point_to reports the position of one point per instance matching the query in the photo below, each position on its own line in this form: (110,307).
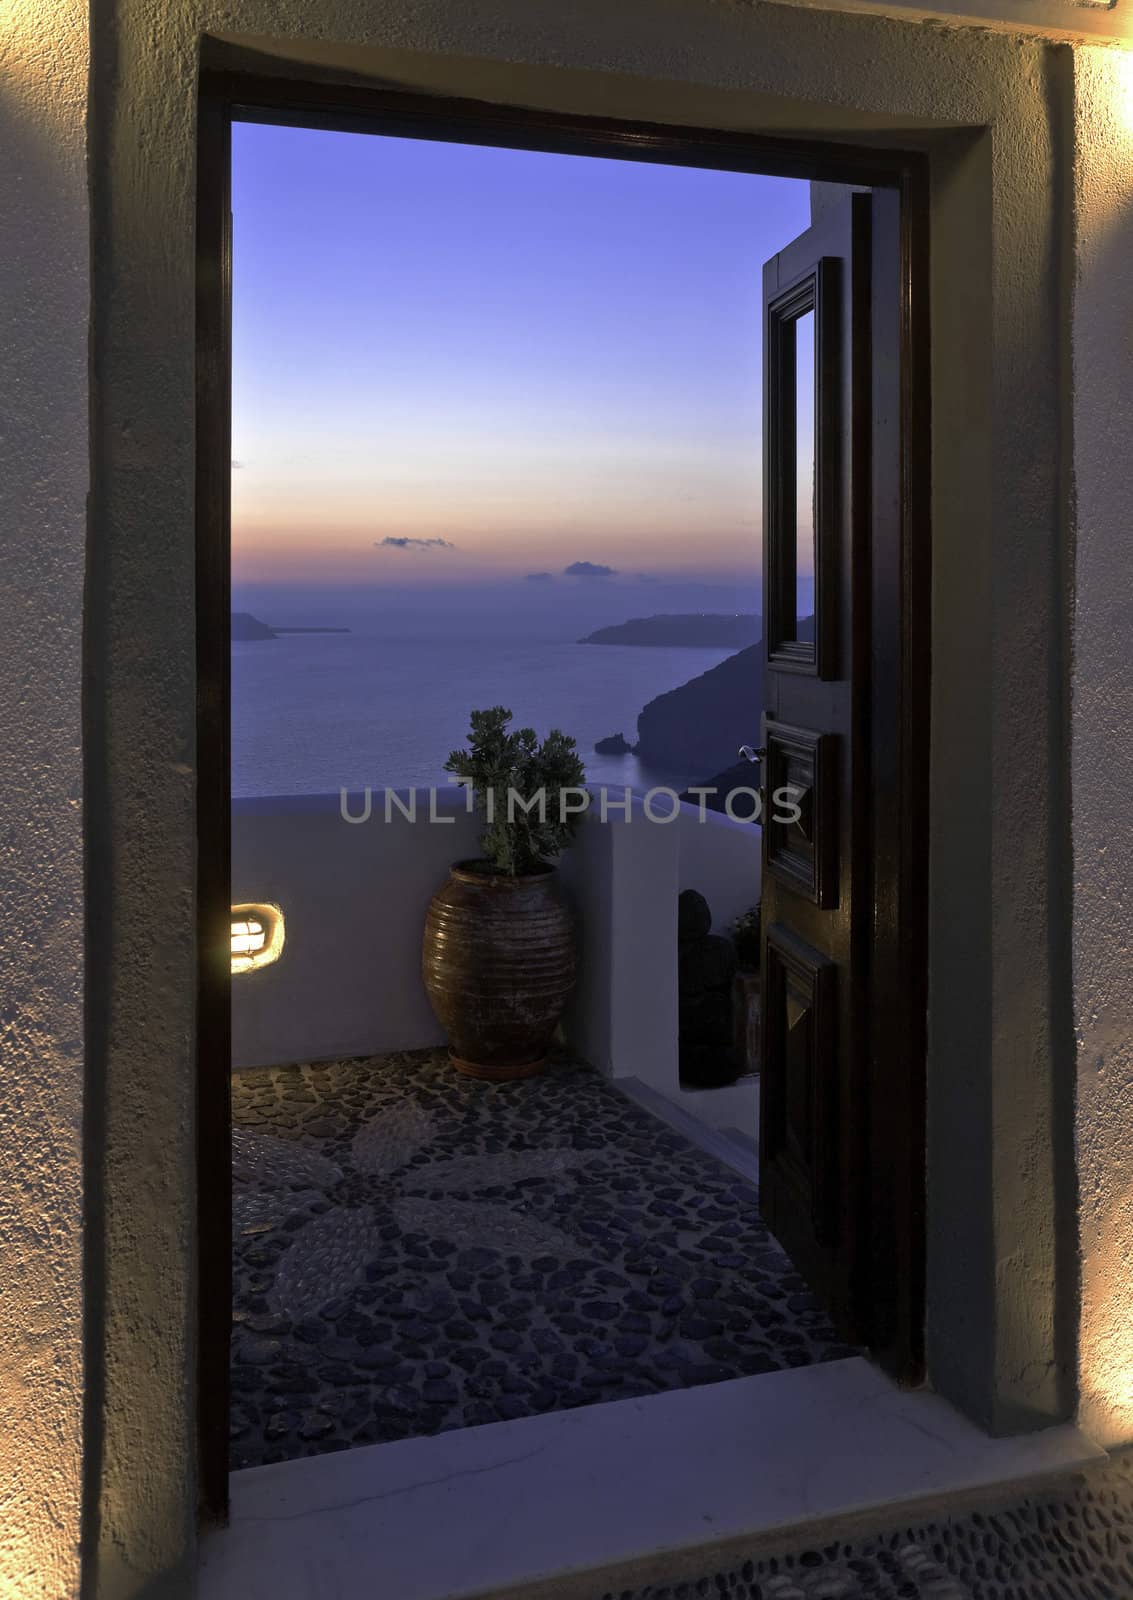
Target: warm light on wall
(257,936)
(36,38)
(1123,90)
(1105,1337)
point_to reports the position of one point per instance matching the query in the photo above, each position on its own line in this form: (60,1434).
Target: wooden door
(815,755)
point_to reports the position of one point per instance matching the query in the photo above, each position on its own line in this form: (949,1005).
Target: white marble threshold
(539,1504)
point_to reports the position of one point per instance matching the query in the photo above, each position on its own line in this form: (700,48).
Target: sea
(313,713)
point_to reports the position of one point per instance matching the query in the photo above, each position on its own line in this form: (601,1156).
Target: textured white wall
(44,302)
(733,66)
(1102,749)
(354,897)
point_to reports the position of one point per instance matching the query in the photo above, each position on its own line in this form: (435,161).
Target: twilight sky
(520,361)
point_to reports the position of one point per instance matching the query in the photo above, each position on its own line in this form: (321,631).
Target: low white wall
(622,877)
(354,897)
(721,859)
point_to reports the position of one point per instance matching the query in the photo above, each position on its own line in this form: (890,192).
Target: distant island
(705,630)
(246,626)
(616,745)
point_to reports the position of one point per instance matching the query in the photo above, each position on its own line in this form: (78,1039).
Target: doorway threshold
(572,1502)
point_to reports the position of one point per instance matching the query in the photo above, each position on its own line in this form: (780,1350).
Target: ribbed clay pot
(498,961)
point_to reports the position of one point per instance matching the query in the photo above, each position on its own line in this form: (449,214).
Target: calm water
(318,712)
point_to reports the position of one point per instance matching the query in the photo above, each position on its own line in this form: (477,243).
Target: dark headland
(699,726)
(246,626)
(705,630)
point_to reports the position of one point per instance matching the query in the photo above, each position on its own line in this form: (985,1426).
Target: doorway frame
(894,988)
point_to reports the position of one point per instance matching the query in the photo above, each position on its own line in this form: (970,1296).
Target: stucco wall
(44,299)
(1102,737)
(999,957)
(1077,19)
(354,897)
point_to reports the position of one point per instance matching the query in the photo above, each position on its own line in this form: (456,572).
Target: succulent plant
(521,788)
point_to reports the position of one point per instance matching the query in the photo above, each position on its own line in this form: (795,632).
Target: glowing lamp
(257,936)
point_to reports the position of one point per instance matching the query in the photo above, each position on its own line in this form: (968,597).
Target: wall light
(257,936)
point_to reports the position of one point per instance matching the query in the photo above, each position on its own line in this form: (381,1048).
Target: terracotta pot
(498,961)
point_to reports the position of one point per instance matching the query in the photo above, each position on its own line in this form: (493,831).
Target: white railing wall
(354,897)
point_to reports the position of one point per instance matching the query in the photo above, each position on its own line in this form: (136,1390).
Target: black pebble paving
(1065,1539)
(416,1251)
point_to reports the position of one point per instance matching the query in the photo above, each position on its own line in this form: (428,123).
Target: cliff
(700,726)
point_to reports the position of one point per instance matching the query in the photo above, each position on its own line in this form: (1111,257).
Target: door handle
(746,753)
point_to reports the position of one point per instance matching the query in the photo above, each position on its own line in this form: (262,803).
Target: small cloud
(588,569)
(236,463)
(404,543)
(539,577)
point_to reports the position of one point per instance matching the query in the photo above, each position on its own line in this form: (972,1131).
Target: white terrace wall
(354,897)
(44,312)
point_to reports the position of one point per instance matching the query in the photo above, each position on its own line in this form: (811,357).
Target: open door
(817,1148)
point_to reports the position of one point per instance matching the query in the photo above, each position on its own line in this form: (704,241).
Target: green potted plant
(498,957)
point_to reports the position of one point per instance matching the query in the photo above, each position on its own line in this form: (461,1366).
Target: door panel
(801,824)
(799,1102)
(815,859)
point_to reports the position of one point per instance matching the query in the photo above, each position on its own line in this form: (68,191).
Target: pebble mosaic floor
(1063,1539)
(415,1251)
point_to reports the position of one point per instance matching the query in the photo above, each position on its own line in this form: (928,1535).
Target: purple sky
(539,360)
